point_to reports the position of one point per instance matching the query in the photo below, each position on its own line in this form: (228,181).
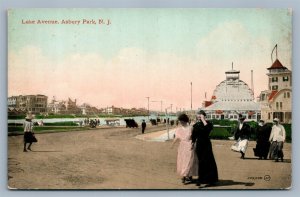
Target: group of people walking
(269,140)
(195,155)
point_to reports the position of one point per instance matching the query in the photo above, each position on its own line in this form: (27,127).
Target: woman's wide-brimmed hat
(201,112)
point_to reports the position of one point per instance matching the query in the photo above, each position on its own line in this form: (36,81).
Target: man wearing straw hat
(28,134)
(277,139)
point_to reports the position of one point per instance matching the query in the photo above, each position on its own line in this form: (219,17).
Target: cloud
(233,42)
(125,80)
(134,73)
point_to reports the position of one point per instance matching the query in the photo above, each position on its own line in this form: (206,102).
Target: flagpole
(272,53)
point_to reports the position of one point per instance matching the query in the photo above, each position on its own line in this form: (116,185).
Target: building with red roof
(276,102)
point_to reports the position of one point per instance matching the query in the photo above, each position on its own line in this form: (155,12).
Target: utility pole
(148,106)
(191,97)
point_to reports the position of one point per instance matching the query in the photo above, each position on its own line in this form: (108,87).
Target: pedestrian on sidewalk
(143,126)
(242,136)
(28,132)
(207,167)
(262,140)
(277,139)
(187,162)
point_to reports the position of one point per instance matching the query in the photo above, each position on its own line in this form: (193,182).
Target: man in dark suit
(143,126)
(242,135)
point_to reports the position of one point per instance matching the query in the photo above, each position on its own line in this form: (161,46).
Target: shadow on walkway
(255,158)
(231,182)
(45,151)
(222,183)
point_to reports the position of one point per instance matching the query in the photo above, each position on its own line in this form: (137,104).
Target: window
(277,105)
(274,79)
(280,105)
(288,95)
(285,78)
(274,87)
(284,95)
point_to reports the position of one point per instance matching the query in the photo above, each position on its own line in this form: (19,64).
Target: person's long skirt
(187,162)
(29,137)
(240,145)
(207,170)
(262,149)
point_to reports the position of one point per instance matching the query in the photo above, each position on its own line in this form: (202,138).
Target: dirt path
(114,158)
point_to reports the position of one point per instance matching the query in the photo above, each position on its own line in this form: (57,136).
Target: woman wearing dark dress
(262,141)
(207,170)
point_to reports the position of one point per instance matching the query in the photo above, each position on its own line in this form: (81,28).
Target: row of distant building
(230,98)
(38,104)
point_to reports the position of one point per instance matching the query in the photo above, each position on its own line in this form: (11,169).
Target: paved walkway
(115,158)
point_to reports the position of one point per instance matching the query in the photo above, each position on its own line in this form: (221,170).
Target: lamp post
(167,116)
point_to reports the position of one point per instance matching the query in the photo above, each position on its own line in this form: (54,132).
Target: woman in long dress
(187,162)
(207,167)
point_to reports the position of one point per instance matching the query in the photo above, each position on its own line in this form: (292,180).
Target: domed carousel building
(231,98)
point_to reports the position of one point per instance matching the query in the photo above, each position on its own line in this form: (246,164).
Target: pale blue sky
(167,30)
(147,51)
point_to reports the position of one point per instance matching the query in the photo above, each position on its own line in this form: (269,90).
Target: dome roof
(233,91)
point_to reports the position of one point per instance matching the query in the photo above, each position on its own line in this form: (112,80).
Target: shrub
(220,133)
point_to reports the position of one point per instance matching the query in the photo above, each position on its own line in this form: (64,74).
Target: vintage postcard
(195,99)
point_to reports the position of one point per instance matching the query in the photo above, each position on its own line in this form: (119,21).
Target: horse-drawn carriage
(131,123)
(112,122)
